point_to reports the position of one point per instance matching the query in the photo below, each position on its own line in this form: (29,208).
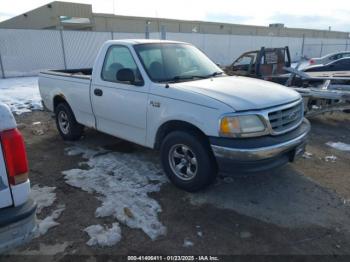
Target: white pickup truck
(170,96)
(17,209)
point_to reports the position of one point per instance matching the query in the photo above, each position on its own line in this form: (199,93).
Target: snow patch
(228,180)
(330,158)
(188,243)
(45,224)
(307,155)
(7,121)
(20,94)
(199,232)
(123,182)
(103,236)
(339,145)
(346,201)
(43,196)
(245,234)
(84,151)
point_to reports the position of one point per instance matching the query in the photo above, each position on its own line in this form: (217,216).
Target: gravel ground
(302,208)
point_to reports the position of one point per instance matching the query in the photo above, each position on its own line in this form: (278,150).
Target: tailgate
(5,193)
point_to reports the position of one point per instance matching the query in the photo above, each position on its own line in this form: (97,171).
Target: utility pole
(302,46)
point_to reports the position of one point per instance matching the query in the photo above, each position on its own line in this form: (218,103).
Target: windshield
(166,62)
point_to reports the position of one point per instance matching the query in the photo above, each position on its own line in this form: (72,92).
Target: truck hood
(242,93)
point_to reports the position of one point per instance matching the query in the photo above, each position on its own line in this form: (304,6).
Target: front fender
(203,118)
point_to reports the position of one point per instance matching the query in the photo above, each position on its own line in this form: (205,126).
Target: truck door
(120,103)
(245,64)
(5,193)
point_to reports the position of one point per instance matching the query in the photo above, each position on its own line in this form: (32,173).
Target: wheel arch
(58,99)
(177,125)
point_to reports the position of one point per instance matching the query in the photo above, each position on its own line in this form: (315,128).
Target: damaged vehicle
(342,64)
(171,97)
(266,63)
(328,58)
(324,88)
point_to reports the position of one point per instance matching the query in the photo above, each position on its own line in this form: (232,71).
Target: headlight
(239,125)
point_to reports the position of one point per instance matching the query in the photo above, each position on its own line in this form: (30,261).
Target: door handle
(98,92)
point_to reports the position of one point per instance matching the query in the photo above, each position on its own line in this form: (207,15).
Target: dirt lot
(303,208)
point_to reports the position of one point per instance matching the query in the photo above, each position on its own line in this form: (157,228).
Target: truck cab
(264,63)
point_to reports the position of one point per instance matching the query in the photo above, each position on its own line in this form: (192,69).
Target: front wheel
(188,161)
(66,123)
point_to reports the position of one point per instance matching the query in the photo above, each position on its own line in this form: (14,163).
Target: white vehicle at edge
(327,58)
(169,96)
(17,210)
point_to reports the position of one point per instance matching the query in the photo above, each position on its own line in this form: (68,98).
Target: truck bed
(74,86)
(84,73)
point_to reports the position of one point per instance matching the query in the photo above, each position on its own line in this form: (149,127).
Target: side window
(118,58)
(244,60)
(334,57)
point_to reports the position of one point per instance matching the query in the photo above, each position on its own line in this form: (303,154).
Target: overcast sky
(316,14)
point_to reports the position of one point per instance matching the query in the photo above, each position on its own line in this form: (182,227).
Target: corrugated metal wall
(224,49)
(81,47)
(27,52)
(316,47)
(117,35)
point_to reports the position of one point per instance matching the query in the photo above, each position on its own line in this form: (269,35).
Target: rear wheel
(187,160)
(66,123)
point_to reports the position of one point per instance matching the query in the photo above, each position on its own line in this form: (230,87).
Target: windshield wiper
(179,78)
(217,73)
(190,77)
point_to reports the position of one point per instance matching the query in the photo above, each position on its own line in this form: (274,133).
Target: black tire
(74,130)
(206,169)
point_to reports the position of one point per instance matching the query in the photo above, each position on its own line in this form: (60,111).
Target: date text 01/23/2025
(173,258)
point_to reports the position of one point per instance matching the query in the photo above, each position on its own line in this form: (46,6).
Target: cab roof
(142,41)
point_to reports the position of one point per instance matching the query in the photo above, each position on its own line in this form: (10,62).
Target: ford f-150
(171,97)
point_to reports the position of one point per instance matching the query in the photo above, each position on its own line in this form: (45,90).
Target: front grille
(286,118)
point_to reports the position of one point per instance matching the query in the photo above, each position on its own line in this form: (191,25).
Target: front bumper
(260,153)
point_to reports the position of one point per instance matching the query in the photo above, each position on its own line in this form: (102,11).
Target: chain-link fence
(27,52)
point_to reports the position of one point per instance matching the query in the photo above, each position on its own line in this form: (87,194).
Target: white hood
(242,93)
